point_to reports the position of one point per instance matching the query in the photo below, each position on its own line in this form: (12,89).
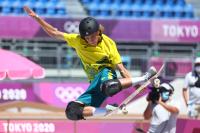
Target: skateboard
(122,106)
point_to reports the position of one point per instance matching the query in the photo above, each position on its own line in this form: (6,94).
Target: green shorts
(93,96)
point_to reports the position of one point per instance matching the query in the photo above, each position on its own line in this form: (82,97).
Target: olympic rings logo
(71,26)
(67,94)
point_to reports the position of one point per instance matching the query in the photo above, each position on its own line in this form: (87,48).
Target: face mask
(165,96)
(197,69)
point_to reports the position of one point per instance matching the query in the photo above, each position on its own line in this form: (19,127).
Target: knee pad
(111,87)
(74,111)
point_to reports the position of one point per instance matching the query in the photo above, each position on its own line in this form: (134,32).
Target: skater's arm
(49,29)
(123,71)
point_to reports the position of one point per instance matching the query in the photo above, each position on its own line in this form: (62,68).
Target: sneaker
(111,107)
(150,73)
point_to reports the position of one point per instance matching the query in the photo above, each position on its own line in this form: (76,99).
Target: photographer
(191,90)
(161,109)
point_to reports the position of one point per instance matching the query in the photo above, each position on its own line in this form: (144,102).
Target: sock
(99,111)
(138,80)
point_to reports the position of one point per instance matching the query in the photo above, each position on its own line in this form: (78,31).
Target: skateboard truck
(123,109)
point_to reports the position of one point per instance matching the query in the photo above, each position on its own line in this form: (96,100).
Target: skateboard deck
(122,106)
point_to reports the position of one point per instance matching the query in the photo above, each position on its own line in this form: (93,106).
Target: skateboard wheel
(124,111)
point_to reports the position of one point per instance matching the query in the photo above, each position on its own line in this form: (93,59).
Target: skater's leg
(113,86)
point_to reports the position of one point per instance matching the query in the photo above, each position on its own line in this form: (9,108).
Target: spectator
(162,110)
(191,90)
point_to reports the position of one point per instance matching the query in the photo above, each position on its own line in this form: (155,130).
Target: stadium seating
(6,7)
(51,8)
(105,8)
(39,8)
(60,7)
(139,8)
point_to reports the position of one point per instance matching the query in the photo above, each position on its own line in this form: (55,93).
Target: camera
(164,91)
(154,95)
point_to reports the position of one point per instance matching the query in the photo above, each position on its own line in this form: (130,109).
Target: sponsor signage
(56,94)
(52,93)
(36,126)
(175,31)
(180,31)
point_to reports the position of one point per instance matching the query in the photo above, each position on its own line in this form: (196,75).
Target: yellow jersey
(105,54)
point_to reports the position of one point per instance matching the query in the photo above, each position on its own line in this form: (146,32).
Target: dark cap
(88,26)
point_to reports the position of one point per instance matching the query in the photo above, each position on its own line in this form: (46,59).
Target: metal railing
(58,56)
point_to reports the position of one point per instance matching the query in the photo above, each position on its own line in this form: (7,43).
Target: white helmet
(197,61)
(166,90)
(167,86)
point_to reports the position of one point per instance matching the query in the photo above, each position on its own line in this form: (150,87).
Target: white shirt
(163,121)
(194,92)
